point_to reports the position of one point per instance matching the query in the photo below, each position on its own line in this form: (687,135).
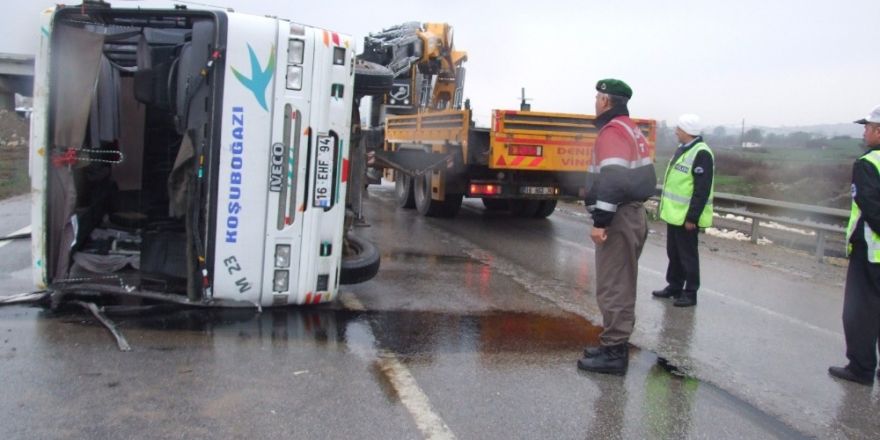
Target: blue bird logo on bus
(260,78)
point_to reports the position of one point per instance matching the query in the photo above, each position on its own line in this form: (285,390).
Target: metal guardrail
(822,220)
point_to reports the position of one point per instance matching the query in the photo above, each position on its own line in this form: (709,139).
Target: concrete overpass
(16,76)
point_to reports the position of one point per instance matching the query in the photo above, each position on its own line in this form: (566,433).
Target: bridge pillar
(7,101)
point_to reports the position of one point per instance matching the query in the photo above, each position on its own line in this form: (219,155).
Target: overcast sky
(773,63)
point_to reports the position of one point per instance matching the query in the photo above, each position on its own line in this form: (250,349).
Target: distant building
(751,145)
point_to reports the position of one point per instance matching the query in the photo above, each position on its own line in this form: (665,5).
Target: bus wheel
(360,260)
(403,190)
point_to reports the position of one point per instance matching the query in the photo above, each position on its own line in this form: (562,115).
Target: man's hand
(598,235)
(690,226)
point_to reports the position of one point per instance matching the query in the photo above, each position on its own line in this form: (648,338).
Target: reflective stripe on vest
(871,237)
(639,141)
(678,189)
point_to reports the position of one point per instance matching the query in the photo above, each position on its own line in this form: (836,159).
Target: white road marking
(351,302)
(411,395)
(413,398)
(23,230)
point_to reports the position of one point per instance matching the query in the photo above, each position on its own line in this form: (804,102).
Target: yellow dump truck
(524,163)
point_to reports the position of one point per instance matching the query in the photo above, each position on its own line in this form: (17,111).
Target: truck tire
(545,208)
(495,204)
(371,79)
(361,263)
(403,190)
(524,208)
(434,208)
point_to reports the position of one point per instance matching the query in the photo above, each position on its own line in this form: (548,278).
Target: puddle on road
(417,335)
(407,333)
(411,257)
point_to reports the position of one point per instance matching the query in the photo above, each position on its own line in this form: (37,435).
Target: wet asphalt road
(470,330)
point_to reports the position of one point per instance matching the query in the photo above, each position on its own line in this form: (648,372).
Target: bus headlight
(294,77)
(282,255)
(295,51)
(280,281)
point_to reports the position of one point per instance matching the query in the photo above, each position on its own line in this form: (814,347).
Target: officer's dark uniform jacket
(702,172)
(866,193)
(622,170)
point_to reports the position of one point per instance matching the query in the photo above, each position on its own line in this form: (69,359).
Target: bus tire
(360,260)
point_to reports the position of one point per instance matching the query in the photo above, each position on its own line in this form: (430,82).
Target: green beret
(614,87)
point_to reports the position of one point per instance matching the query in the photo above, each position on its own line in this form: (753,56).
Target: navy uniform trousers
(861,311)
(683,272)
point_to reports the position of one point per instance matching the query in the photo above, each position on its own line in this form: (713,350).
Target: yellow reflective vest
(678,189)
(871,237)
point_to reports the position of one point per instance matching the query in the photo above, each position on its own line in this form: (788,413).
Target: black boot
(688,298)
(594,351)
(612,359)
(847,373)
(666,292)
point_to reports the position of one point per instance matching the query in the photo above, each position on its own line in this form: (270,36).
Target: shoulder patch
(699,170)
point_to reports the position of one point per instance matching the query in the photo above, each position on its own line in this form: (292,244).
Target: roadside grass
(811,176)
(732,184)
(836,152)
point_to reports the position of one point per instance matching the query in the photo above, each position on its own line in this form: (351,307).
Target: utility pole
(523,105)
(742,135)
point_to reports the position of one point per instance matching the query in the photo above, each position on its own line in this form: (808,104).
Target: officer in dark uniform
(861,298)
(686,206)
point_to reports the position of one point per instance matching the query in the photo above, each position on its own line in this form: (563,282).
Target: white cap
(873,117)
(690,124)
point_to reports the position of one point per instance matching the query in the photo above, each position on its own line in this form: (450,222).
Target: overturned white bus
(199,156)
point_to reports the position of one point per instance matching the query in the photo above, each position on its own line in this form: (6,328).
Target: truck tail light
(485,189)
(525,150)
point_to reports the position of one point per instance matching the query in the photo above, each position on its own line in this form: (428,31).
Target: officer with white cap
(861,297)
(686,206)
